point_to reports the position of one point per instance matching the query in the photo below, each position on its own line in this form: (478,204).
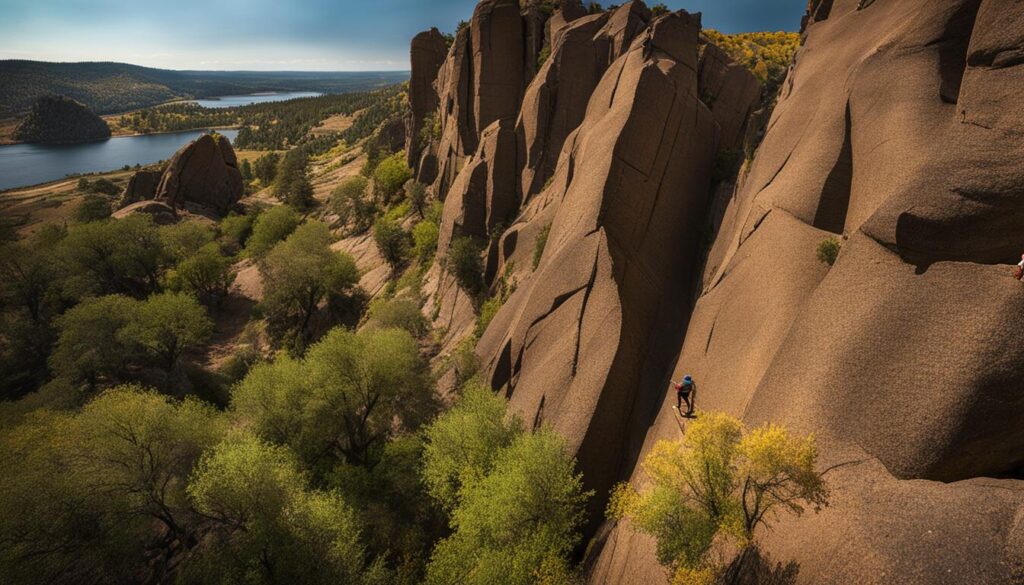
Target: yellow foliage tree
(720,482)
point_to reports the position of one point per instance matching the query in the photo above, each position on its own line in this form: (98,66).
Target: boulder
(426,54)
(897,132)
(204,172)
(730,90)
(162,213)
(141,187)
(61,120)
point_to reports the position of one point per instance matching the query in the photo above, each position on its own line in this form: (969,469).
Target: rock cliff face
(426,55)
(898,131)
(61,120)
(204,172)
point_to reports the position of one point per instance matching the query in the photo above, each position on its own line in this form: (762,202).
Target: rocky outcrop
(426,55)
(556,101)
(584,343)
(483,196)
(568,11)
(481,81)
(141,187)
(61,120)
(204,172)
(161,213)
(898,132)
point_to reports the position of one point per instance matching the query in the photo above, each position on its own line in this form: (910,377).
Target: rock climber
(1019,272)
(686,391)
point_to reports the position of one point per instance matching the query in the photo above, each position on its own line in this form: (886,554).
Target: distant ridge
(107,87)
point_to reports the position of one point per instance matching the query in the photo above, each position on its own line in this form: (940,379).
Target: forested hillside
(119,87)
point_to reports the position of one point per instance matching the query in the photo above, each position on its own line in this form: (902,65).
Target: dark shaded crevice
(583,312)
(503,368)
(835,194)
(953,47)
(538,418)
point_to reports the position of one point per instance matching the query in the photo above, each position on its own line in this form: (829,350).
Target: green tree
(464,263)
(462,444)
(352,204)
(342,401)
(93,208)
(235,231)
(246,170)
(167,324)
(182,240)
(269,526)
(207,274)
(265,168)
(392,241)
(270,227)
(390,175)
(721,479)
(89,346)
(425,235)
(291,185)
(99,495)
(398,312)
(522,518)
(299,274)
(122,256)
(416,193)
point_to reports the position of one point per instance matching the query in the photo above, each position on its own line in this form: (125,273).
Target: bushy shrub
(464,263)
(182,240)
(540,244)
(392,241)
(401,313)
(270,227)
(424,237)
(390,175)
(352,203)
(93,208)
(828,250)
(235,231)
(416,195)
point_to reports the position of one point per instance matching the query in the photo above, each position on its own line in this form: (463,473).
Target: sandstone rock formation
(61,120)
(481,81)
(557,99)
(141,187)
(583,344)
(898,131)
(426,55)
(204,172)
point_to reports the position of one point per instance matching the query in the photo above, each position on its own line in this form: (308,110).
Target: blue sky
(308,35)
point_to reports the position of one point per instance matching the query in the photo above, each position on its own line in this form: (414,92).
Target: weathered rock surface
(568,11)
(556,101)
(483,196)
(581,344)
(141,187)
(61,120)
(898,128)
(426,54)
(204,172)
(481,81)
(161,213)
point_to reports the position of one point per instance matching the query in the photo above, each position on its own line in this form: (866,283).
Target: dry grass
(31,208)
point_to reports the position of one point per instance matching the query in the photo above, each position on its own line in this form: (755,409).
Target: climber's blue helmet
(688,379)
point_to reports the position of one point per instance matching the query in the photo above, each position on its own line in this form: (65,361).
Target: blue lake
(229,101)
(30,164)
